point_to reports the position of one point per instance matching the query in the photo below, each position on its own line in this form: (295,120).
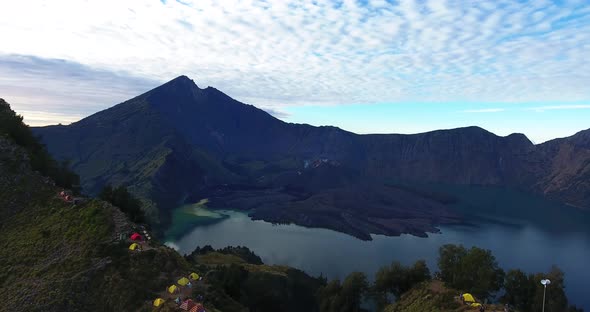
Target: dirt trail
(121,224)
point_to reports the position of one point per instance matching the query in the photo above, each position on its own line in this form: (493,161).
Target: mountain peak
(179,89)
(181,80)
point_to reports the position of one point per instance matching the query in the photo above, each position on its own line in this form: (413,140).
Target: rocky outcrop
(566,174)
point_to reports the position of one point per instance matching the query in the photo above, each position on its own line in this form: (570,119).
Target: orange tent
(198,308)
(187,305)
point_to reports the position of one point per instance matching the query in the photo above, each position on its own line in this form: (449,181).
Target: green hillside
(57,256)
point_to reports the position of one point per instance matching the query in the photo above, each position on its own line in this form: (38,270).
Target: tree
(481,272)
(389,279)
(329,297)
(12,126)
(475,270)
(354,288)
(63,176)
(347,297)
(555,299)
(417,274)
(519,290)
(398,279)
(525,292)
(129,204)
(449,262)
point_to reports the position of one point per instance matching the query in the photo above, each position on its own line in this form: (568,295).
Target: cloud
(42,118)
(276,113)
(56,91)
(541,109)
(484,110)
(277,53)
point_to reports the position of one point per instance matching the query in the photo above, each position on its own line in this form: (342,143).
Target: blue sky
(367,66)
(534,119)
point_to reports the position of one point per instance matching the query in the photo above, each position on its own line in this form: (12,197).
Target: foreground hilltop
(179,143)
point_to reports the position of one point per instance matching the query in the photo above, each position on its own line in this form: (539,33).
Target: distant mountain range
(179,143)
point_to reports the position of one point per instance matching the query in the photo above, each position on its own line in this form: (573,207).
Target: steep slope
(130,144)
(464,156)
(567,175)
(225,127)
(60,257)
(179,142)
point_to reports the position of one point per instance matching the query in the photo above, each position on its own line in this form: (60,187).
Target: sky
(369,66)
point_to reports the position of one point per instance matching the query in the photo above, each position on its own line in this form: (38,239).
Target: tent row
(187,305)
(183,282)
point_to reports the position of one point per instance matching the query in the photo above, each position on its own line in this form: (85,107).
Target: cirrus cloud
(541,109)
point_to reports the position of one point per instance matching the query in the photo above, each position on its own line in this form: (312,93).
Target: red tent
(136,236)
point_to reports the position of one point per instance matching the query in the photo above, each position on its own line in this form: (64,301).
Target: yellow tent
(133,246)
(183,281)
(172,289)
(468,298)
(475,305)
(194,276)
(158,302)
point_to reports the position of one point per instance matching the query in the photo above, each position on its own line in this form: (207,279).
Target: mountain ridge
(198,139)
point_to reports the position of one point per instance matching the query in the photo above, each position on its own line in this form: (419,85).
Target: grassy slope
(57,257)
(265,288)
(213,259)
(433,297)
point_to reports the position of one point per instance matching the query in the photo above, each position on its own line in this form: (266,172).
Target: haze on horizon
(370,66)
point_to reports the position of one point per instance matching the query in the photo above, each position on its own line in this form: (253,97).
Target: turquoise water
(522,231)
